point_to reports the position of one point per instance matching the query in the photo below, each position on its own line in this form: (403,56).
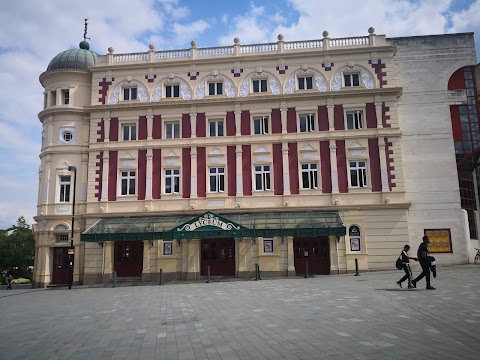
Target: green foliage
(21,281)
(17,249)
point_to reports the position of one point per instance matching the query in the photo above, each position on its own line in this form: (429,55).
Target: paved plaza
(324,317)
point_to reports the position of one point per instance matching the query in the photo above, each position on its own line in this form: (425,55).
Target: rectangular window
(351,79)
(130,93)
(259,85)
(215,127)
(172,181)
(129,132)
(217,179)
(354,120)
(65,189)
(215,88)
(262,177)
(358,174)
(128,182)
(172,130)
(307,123)
(62,238)
(53,97)
(172,91)
(310,176)
(305,83)
(66,97)
(260,125)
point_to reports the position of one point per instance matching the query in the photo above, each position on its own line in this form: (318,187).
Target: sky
(33,32)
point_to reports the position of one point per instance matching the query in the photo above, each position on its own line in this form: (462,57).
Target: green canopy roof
(210,225)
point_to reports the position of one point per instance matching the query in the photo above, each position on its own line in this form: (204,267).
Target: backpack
(398,264)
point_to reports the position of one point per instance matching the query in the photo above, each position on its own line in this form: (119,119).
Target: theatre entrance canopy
(211,226)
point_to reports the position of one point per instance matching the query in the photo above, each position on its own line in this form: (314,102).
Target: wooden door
(219,254)
(128,258)
(314,250)
(61,266)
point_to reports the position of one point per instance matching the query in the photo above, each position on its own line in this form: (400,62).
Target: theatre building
(285,155)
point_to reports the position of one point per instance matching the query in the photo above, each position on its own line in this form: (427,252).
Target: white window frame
(172,87)
(310,122)
(260,89)
(215,88)
(128,178)
(128,126)
(131,95)
(311,169)
(217,122)
(302,81)
(172,174)
(264,122)
(65,189)
(172,123)
(351,75)
(218,175)
(358,120)
(264,173)
(360,173)
(65,96)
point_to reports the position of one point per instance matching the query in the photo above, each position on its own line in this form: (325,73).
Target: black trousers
(426,272)
(408,274)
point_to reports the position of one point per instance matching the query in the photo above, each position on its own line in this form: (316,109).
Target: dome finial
(84,44)
(85,32)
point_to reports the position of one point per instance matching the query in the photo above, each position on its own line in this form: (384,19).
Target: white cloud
(189,32)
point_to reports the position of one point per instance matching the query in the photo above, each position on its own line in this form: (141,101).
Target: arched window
(355,238)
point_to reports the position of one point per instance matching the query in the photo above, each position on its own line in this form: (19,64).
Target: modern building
(277,156)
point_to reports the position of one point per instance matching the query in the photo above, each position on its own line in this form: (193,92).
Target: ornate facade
(284,155)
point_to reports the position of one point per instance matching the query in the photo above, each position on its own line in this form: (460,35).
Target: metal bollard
(306,269)
(256,272)
(356,268)
(161,277)
(114,279)
(258,269)
(208,274)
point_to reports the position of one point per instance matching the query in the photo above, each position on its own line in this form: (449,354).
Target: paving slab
(323,317)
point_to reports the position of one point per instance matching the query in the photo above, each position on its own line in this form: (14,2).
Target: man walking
(422,255)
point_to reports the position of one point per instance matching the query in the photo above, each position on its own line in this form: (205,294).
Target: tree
(17,248)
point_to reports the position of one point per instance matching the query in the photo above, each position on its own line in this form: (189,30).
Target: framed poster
(354,244)
(268,246)
(168,248)
(440,240)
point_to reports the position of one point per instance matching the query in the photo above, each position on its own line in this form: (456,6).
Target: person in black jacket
(424,263)
(406,267)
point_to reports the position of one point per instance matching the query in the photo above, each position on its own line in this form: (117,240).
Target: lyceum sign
(208,219)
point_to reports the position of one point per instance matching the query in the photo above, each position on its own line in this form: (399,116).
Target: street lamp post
(72,256)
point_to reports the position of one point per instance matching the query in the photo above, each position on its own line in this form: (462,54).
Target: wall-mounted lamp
(338,238)
(335,201)
(101,243)
(287,202)
(387,200)
(150,242)
(238,204)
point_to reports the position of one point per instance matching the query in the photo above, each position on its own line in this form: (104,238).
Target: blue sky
(33,32)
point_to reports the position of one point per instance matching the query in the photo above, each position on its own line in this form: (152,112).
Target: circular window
(67,136)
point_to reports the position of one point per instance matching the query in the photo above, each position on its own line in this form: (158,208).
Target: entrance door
(61,266)
(316,251)
(219,254)
(128,258)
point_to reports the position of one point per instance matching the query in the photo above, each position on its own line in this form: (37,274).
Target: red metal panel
(245,123)
(276,121)
(342,166)
(247,169)
(325,167)
(293,167)
(230,119)
(142,128)
(157,127)
(201,129)
(375,172)
(339,121)
(323,118)
(277,169)
(186,173)
(291,120)
(142,174)
(114,129)
(186,126)
(201,172)
(232,170)
(457,80)
(157,173)
(112,175)
(456,124)
(371,115)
